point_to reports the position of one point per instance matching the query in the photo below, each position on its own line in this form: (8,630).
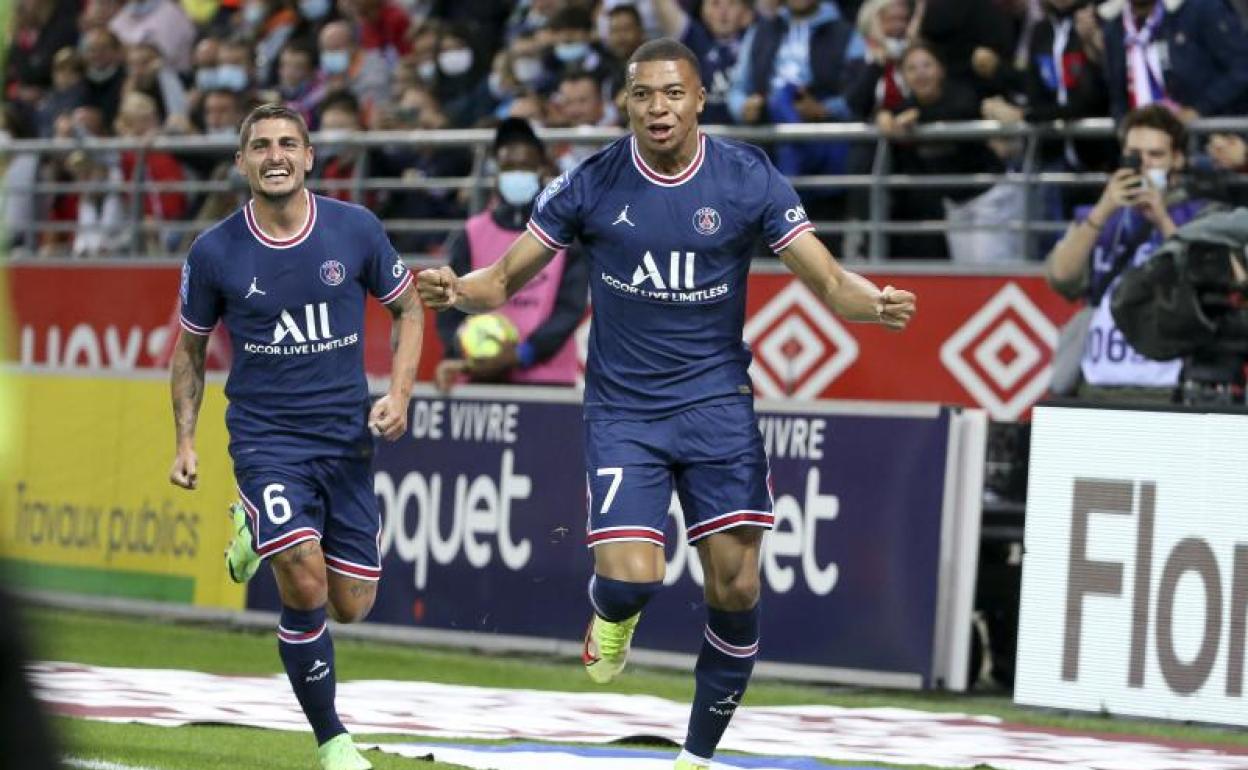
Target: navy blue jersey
(295,313)
(669,257)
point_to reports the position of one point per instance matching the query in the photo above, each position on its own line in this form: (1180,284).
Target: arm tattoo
(187,382)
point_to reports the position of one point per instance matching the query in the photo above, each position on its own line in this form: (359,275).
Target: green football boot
(606,647)
(241,559)
(339,753)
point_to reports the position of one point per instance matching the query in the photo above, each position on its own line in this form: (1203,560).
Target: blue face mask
(314,10)
(232,77)
(254,14)
(144,7)
(206,79)
(335,62)
(519,188)
(571,52)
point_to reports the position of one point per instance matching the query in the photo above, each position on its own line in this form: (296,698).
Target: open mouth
(659,132)
(276,174)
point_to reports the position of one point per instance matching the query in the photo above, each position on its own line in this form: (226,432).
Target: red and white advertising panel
(978,340)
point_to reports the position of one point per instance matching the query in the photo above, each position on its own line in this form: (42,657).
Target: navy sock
(308,654)
(617,600)
(729,647)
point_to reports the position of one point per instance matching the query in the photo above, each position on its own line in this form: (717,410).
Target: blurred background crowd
(140,69)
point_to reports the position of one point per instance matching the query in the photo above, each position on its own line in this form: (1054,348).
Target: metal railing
(878,184)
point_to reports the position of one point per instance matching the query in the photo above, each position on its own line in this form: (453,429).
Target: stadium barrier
(983,340)
(1135,585)
(87,506)
(868,578)
(874,181)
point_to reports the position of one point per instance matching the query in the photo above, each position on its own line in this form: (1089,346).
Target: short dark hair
(339,100)
(271,111)
(626,9)
(1160,118)
(572,16)
(517,131)
(664,49)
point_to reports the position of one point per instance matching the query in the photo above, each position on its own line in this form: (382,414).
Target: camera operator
(1143,204)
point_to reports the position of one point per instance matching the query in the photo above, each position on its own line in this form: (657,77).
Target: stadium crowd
(142,68)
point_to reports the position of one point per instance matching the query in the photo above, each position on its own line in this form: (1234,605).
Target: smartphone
(1135,163)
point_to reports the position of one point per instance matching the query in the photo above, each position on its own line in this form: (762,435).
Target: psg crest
(706,220)
(332,272)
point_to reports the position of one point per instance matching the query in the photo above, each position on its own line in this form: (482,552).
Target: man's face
(98,51)
(294,68)
(275,159)
(664,100)
(143,64)
(802,7)
(924,74)
(581,102)
(1155,148)
(894,18)
(725,18)
(339,120)
(624,34)
(518,156)
(220,112)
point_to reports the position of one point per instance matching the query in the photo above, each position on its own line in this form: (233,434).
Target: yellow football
(483,336)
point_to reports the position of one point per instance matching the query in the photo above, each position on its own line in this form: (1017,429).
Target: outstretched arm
(847,294)
(388,417)
(187,386)
(488,288)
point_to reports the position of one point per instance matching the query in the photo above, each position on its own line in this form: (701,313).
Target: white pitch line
(99,764)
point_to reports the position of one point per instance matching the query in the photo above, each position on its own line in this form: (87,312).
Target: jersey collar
(278,243)
(665,180)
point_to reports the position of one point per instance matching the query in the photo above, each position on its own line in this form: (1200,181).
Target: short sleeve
(556,218)
(783,217)
(199,298)
(384,272)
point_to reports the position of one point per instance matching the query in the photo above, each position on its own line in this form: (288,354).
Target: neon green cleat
(606,647)
(339,753)
(241,559)
(688,764)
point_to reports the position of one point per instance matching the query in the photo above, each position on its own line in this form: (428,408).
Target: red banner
(978,340)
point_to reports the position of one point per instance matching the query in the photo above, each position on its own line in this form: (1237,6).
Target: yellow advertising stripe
(89,494)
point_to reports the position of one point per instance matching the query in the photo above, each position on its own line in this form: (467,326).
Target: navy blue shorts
(712,455)
(328,499)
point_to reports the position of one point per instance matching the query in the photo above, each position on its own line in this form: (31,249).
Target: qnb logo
(315,325)
(795,214)
(648,270)
(302,332)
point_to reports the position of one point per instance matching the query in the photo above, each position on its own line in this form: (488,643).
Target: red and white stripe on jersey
(278,243)
(352,569)
(397,291)
(732,650)
(669,180)
(193,327)
(625,534)
(544,237)
(300,637)
(279,543)
(791,235)
(728,521)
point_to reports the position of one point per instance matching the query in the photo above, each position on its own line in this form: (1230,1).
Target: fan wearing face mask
(547,311)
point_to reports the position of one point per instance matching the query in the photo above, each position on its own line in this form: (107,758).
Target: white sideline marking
(99,764)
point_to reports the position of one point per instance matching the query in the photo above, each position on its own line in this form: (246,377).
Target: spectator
(61,208)
(146,73)
(1229,152)
(98,13)
(530,17)
(1139,208)
(102,54)
(885,25)
(347,67)
(578,102)
(299,82)
(21,172)
(1190,53)
(573,49)
(338,164)
(971,37)
(380,26)
(204,67)
(40,29)
(161,22)
(68,90)
(549,309)
(455,72)
(219,117)
(313,15)
(139,119)
(624,34)
(101,219)
(976,215)
(269,24)
(714,34)
(1225,169)
(235,66)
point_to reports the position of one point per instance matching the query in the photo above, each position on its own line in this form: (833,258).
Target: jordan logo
(623,217)
(253,290)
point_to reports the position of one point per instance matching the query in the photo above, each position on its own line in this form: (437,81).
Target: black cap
(516,131)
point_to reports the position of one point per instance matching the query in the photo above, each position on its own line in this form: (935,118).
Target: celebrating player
(287,274)
(669,217)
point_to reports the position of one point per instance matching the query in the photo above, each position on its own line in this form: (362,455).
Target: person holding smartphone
(1142,205)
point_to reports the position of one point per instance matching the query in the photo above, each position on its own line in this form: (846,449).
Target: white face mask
(1158,178)
(254,14)
(519,187)
(427,70)
(527,69)
(894,47)
(455,62)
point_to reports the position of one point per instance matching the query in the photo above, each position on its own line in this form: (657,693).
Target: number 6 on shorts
(273,501)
